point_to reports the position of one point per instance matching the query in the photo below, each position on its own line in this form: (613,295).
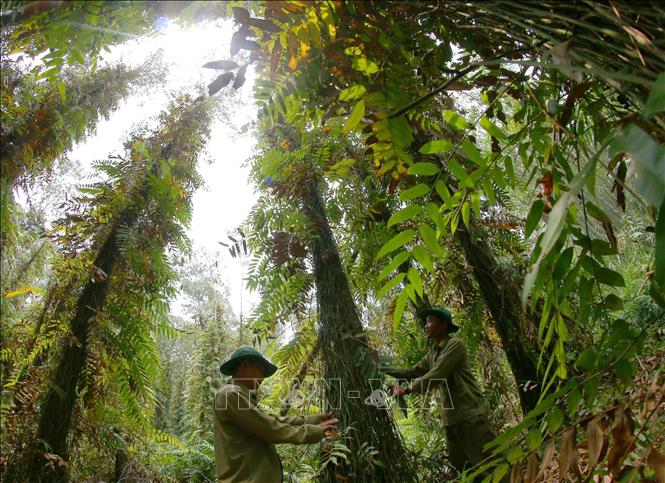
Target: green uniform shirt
(446,367)
(244,436)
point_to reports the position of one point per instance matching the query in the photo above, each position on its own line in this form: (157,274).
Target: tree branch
(456,77)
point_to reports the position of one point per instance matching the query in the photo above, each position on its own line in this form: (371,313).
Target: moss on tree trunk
(348,369)
(501,295)
(58,406)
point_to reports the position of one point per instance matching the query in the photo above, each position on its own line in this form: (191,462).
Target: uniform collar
(245,390)
(443,343)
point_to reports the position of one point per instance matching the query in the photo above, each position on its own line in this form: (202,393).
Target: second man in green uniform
(446,368)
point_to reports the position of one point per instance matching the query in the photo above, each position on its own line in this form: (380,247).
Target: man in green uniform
(446,367)
(244,434)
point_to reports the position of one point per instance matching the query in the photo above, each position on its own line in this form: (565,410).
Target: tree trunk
(58,406)
(348,369)
(501,295)
(121,462)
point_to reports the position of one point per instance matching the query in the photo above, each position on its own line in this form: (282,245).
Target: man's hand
(329,426)
(326,416)
(398,390)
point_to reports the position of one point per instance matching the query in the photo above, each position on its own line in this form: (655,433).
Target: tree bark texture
(347,366)
(501,295)
(57,409)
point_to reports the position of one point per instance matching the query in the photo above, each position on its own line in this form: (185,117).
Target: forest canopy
(502,159)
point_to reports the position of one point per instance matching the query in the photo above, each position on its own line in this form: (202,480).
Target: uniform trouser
(465,441)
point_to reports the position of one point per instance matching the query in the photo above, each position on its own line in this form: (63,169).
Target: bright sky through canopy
(227,198)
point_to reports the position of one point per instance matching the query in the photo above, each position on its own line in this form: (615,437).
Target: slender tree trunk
(501,295)
(58,406)
(347,365)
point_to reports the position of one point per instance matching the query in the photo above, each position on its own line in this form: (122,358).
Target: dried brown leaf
(575,93)
(265,25)
(568,452)
(274,56)
(221,64)
(219,83)
(547,459)
(240,77)
(516,473)
(595,438)
(241,15)
(651,399)
(656,461)
(562,59)
(247,44)
(622,439)
(531,469)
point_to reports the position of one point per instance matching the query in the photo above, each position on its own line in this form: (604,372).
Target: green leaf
(434,214)
(396,262)
(491,128)
(602,248)
(610,277)
(499,472)
(51,73)
(354,92)
(458,171)
(396,242)
(455,120)
(563,264)
(489,190)
(63,91)
(613,302)
(573,401)
(554,420)
(429,237)
(416,281)
(436,147)
(472,152)
(454,221)
(414,192)
(587,359)
(411,292)
(589,390)
(424,169)
(533,439)
(443,193)
(532,219)
(648,160)
(404,214)
(625,370)
(401,133)
(76,56)
(597,212)
(390,285)
(400,304)
(557,220)
(356,115)
(422,257)
(475,203)
(656,100)
(620,331)
(466,212)
(510,169)
(658,281)
(514,454)
(365,65)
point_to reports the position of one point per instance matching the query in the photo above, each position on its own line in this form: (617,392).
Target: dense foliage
(502,158)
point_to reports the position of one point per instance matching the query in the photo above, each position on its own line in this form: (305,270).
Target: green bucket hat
(442,313)
(246,352)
